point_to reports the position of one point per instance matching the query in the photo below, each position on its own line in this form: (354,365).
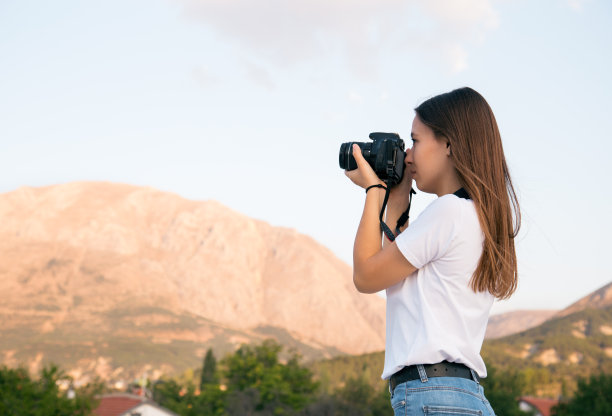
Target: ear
(448,149)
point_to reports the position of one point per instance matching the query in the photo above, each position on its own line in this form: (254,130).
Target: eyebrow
(413,135)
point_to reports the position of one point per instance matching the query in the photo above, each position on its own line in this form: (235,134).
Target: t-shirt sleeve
(430,236)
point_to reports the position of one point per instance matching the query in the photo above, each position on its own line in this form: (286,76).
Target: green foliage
(22,396)
(255,382)
(168,394)
(255,374)
(503,389)
(184,400)
(356,398)
(336,372)
(209,370)
(593,397)
(359,398)
(534,378)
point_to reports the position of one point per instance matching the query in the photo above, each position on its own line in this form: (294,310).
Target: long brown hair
(464,118)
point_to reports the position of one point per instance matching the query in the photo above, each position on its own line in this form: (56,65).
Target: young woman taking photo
(444,270)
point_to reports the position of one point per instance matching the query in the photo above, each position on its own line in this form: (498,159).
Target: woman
(443,271)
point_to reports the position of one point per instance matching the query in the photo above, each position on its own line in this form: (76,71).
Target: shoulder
(445,204)
(446,210)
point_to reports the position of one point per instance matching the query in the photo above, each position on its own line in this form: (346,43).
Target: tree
(184,401)
(503,390)
(257,384)
(255,373)
(355,398)
(168,394)
(593,397)
(22,396)
(209,370)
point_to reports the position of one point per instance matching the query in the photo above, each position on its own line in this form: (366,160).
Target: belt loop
(475,376)
(390,391)
(422,373)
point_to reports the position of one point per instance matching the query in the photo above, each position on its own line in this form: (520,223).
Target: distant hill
(105,279)
(516,321)
(561,349)
(601,298)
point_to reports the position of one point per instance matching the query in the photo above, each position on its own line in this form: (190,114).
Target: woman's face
(428,160)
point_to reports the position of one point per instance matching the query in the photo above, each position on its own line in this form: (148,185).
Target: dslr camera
(385,154)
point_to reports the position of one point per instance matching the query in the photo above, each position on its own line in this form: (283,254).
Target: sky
(247,102)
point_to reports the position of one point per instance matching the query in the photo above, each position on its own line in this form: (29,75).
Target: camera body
(385,154)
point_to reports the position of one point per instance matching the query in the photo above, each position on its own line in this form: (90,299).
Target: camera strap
(385,229)
(402,219)
(461,193)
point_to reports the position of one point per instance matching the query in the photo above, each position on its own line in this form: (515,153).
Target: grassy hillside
(126,341)
(558,351)
(333,373)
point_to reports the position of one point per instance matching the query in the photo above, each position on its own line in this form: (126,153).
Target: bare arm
(375,268)
(392,215)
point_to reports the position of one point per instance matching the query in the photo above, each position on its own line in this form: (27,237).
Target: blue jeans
(440,396)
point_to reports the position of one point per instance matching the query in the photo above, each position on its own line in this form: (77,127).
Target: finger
(354,176)
(361,162)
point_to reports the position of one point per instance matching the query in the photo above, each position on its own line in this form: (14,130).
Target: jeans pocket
(448,410)
(399,407)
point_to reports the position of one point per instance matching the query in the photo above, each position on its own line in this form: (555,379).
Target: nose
(408,158)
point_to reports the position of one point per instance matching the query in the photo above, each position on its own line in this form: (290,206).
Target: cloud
(203,76)
(463,17)
(259,75)
(457,57)
(458,24)
(353,96)
(576,5)
(286,33)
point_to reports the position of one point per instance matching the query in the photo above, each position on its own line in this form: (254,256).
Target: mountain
(515,321)
(105,278)
(558,352)
(572,343)
(601,298)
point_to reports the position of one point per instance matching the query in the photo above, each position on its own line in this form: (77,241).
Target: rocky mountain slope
(512,322)
(573,343)
(108,275)
(600,299)
(517,321)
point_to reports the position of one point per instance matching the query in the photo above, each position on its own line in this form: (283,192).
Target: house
(124,404)
(542,407)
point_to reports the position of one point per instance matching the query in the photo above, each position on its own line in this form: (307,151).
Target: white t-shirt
(433,314)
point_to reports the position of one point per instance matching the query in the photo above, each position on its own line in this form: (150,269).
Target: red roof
(116,404)
(542,405)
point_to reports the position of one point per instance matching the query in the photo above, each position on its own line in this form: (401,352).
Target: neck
(449,187)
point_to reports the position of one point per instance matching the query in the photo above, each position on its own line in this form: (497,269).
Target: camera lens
(346,155)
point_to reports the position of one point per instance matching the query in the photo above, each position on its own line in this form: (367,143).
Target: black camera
(385,154)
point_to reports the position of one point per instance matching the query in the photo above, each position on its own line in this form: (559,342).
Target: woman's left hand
(364,175)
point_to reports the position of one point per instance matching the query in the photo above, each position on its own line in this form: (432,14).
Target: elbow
(357,283)
(361,284)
